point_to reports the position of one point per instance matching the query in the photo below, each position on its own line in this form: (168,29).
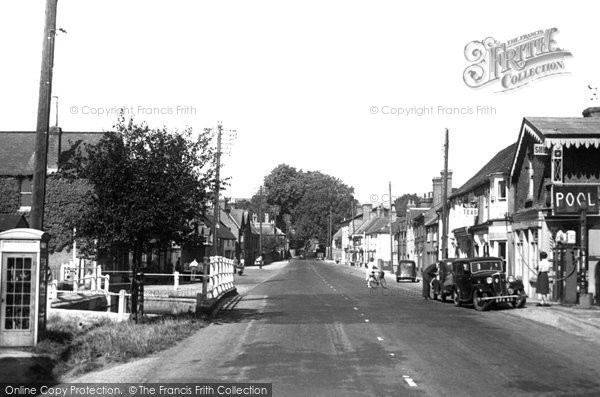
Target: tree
(150,186)
(302,201)
(322,192)
(401,203)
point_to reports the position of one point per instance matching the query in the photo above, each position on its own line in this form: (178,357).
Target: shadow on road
(236,315)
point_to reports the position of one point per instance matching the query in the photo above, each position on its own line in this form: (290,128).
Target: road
(314,329)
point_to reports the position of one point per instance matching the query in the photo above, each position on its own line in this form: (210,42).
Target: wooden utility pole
(444,201)
(330,256)
(260,223)
(43,118)
(391,234)
(217,188)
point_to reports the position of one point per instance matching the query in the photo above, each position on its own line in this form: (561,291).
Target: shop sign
(539,149)
(571,199)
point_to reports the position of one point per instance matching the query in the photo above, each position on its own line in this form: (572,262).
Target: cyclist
(373,271)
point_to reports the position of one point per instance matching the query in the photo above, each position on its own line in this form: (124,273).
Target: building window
(25,193)
(530,171)
(502,249)
(501,190)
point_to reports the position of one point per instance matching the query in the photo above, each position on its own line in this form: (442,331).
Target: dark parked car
(406,270)
(442,284)
(483,282)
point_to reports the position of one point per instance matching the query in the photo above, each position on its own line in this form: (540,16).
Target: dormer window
(530,187)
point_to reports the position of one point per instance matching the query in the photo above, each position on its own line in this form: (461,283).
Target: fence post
(175,280)
(204,277)
(121,309)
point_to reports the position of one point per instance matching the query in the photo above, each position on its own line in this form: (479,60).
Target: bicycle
(377,280)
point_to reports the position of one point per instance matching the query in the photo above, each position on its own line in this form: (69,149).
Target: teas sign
(571,199)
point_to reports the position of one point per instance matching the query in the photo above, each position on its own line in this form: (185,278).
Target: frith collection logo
(516,62)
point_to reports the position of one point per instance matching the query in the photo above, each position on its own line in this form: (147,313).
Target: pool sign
(571,199)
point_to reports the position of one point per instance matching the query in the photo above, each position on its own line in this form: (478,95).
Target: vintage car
(441,285)
(406,270)
(483,282)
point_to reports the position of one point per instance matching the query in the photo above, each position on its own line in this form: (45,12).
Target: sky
(318,85)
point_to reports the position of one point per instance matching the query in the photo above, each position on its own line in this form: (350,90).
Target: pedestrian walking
(428,275)
(543,283)
(193,269)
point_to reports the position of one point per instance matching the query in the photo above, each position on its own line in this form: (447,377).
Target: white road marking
(362,314)
(355,308)
(409,380)
(392,354)
(379,338)
(366,320)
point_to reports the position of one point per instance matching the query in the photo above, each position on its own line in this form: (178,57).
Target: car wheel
(455,297)
(480,305)
(443,297)
(397,279)
(519,303)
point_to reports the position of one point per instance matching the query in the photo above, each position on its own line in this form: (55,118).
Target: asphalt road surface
(314,329)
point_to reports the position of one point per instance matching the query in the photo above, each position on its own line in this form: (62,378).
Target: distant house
(16,163)
(16,171)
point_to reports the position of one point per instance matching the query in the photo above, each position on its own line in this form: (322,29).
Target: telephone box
(23,281)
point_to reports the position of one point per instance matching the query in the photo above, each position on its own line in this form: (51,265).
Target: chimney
(410,204)
(437,190)
(254,218)
(54,141)
(591,112)
(366,211)
(379,212)
(394,214)
(266,217)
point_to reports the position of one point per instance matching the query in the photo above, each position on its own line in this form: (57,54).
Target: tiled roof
(237,215)
(17,148)
(501,162)
(377,226)
(222,231)
(566,126)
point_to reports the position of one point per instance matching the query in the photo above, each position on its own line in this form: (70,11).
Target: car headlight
(511,291)
(489,280)
(511,279)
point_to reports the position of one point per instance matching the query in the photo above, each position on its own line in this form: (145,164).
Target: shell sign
(572,199)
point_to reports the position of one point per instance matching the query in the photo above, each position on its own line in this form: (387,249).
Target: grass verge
(80,350)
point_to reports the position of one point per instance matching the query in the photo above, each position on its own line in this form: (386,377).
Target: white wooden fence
(218,281)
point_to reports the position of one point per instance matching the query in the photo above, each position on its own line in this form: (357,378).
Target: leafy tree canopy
(303,199)
(150,186)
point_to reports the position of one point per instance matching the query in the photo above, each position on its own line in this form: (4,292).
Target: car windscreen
(486,266)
